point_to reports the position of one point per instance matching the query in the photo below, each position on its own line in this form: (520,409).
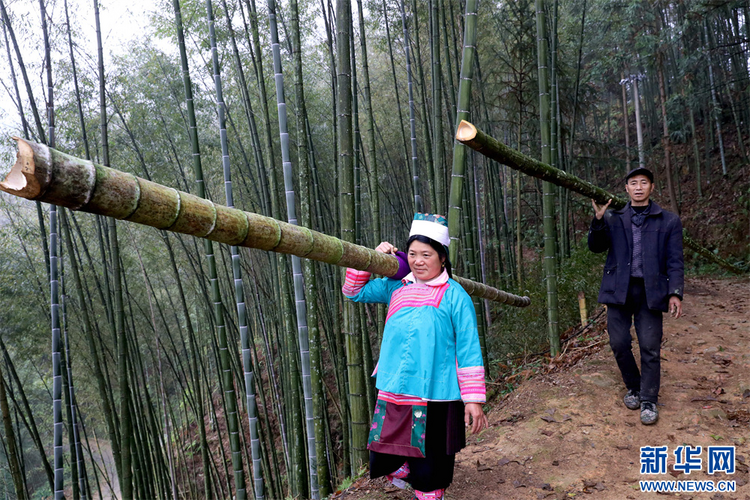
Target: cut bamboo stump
(482,143)
(45,174)
(582,308)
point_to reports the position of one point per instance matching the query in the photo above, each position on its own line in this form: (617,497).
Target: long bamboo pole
(477,140)
(51,176)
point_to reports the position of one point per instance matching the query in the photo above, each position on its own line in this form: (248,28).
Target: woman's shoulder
(456,290)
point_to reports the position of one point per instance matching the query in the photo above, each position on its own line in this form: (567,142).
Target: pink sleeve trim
(471,383)
(354,282)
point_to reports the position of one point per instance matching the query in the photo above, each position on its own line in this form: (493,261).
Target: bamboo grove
(210,367)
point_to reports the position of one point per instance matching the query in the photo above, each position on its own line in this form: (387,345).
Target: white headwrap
(431,225)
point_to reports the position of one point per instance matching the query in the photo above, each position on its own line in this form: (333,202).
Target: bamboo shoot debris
(45,174)
(474,138)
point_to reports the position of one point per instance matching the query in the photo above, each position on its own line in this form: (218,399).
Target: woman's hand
(386,247)
(474,415)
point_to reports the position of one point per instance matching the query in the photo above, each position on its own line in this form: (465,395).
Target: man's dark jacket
(661,241)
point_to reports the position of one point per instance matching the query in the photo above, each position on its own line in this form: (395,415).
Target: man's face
(639,188)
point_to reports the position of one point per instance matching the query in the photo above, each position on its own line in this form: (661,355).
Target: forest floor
(565,433)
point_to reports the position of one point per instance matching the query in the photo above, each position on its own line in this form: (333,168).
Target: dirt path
(567,434)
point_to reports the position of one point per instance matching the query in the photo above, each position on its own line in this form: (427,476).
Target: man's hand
(386,247)
(600,209)
(474,415)
(675,307)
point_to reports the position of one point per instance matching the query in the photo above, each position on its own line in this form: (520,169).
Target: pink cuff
(354,282)
(471,383)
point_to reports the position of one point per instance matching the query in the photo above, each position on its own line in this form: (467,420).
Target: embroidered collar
(441,279)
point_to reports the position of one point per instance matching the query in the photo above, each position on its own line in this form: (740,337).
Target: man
(643,277)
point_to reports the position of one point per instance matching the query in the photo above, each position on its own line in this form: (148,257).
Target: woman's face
(424,261)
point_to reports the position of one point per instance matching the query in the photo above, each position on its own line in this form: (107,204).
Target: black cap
(640,171)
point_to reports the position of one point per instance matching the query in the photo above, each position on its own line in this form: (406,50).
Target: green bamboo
(373,178)
(87,326)
(40,130)
(291,210)
(263,194)
(359,313)
(54,278)
(228,383)
(29,423)
(470,257)
(19,103)
(494,149)
(548,189)
(412,120)
(369,129)
(353,343)
(716,108)
(10,438)
(462,113)
(449,70)
(417,197)
(123,457)
(77,469)
(207,245)
(426,137)
(32,101)
(438,153)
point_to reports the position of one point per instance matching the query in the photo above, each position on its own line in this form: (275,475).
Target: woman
(430,371)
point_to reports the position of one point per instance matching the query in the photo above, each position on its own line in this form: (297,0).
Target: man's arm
(599,239)
(675,268)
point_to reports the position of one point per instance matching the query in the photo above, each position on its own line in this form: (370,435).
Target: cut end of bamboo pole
(23,179)
(466,131)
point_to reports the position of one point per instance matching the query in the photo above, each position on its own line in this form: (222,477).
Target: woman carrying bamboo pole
(430,372)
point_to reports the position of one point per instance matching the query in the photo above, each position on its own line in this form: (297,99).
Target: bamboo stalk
(494,149)
(45,174)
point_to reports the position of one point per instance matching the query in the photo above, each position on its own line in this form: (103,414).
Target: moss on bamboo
(197,216)
(116,194)
(232,226)
(263,233)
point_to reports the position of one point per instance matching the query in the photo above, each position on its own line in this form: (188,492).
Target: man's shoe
(632,400)
(649,413)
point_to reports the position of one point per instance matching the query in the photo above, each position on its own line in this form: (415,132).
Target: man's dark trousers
(648,328)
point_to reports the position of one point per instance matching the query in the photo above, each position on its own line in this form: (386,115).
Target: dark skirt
(444,437)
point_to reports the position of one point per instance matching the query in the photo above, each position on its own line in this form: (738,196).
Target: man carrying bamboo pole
(643,277)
